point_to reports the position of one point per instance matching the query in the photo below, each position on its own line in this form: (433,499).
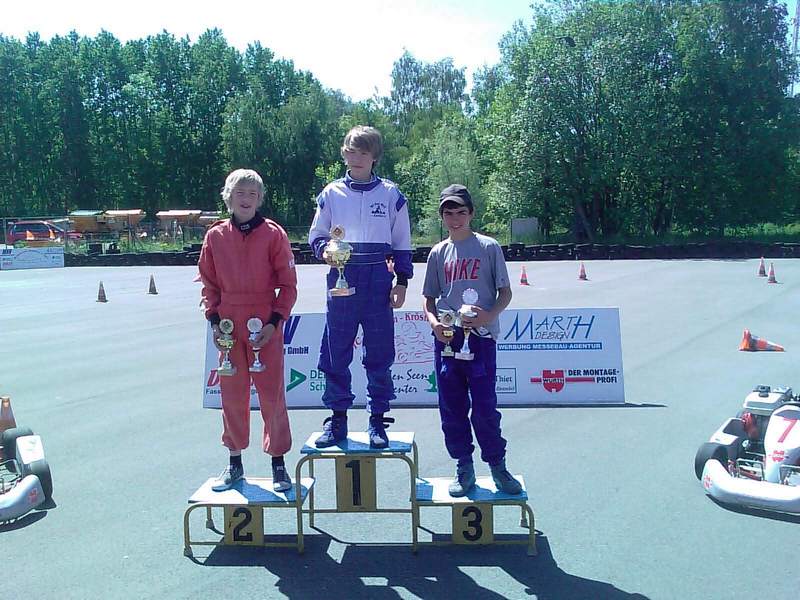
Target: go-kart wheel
(8,441)
(41,469)
(706,452)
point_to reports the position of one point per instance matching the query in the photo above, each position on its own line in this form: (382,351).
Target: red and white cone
(762,268)
(771,276)
(523,279)
(582,273)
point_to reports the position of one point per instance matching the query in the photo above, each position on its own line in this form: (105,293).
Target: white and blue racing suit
(374,216)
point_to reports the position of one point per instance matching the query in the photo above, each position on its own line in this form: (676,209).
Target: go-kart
(25,480)
(753,459)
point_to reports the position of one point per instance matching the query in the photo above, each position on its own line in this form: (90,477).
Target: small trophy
(336,254)
(469,297)
(447,318)
(254,326)
(226,369)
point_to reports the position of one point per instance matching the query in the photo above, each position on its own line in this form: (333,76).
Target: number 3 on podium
(473,524)
(355,484)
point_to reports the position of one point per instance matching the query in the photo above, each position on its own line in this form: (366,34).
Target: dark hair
(450,204)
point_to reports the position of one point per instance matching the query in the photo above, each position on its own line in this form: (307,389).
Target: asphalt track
(114,390)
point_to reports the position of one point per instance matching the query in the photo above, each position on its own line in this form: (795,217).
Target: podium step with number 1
(355,461)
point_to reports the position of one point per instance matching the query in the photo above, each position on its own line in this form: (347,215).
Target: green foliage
(605,120)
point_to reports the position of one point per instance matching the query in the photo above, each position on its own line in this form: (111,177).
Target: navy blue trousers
(465,384)
(370,309)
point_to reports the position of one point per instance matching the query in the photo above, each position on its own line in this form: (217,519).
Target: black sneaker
(464,481)
(281,481)
(334,430)
(504,480)
(376,431)
(228,478)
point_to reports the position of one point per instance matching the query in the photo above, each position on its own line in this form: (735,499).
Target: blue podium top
(256,491)
(357,442)
(434,490)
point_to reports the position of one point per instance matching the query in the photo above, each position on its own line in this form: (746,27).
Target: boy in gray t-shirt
(467,274)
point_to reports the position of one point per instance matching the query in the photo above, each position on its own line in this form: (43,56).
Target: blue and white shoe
(228,478)
(334,431)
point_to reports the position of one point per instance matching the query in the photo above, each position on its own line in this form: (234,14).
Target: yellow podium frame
(356,446)
(432,492)
(252,495)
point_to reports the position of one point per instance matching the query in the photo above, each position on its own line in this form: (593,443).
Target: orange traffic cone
(771,276)
(751,343)
(101,294)
(762,269)
(523,279)
(582,273)
(6,414)
(152,289)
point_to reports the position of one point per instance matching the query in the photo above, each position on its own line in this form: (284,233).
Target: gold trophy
(254,326)
(337,252)
(469,297)
(447,318)
(226,369)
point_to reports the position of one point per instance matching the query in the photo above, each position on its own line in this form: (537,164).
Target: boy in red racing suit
(247,270)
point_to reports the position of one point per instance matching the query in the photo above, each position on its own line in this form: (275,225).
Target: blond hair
(365,139)
(242,176)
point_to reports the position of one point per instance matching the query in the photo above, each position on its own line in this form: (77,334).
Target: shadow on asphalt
(372,571)
(24,521)
(757,512)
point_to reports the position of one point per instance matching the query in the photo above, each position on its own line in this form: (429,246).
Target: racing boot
(464,481)
(504,480)
(376,431)
(228,478)
(281,482)
(334,430)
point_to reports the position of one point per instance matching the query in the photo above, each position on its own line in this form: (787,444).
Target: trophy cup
(254,326)
(447,318)
(336,254)
(469,297)
(226,369)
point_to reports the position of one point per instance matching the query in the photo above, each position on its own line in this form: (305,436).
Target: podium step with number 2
(243,509)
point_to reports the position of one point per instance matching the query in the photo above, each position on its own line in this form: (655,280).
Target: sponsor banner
(544,356)
(31,258)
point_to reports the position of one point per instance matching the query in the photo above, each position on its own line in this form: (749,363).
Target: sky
(349,45)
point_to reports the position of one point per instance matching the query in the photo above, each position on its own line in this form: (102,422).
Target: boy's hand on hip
(263,337)
(397,296)
(438,332)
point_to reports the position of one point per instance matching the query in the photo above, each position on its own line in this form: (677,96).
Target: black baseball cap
(456,193)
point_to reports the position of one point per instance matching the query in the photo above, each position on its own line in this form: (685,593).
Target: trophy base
(464,356)
(226,371)
(448,352)
(257,368)
(341,292)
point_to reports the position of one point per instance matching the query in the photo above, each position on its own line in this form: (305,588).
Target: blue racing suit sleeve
(319,234)
(401,241)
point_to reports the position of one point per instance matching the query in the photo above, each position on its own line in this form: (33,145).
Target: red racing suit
(247,275)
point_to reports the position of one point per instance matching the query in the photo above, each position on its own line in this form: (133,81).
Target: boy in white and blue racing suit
(374,216)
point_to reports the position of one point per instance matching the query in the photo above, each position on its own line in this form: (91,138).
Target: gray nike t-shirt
(476,262)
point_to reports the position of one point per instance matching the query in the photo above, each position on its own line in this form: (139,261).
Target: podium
(243,512)
(473,514)
(244,505)
(355,462)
